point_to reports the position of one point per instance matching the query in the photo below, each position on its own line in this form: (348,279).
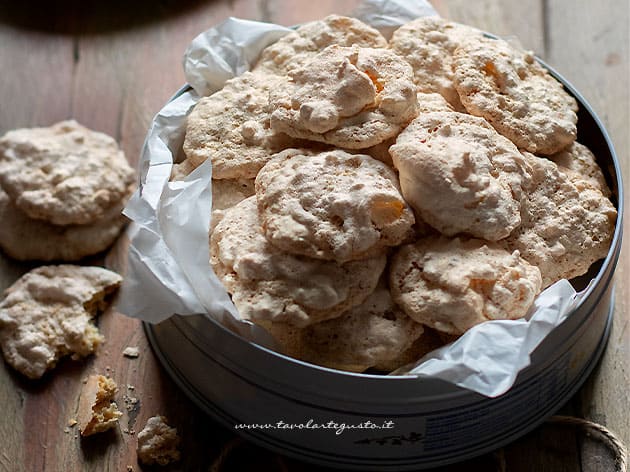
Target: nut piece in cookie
(460,175)
(350,97)
(300,46)
(428,44)
(579,163)
(452,285)
(331,205)
(26,239)
(567,223)
(269,284)
(48,312)
(158,443)
(97,410)
(374,332)
(64,174)
(231,128)
(517,96)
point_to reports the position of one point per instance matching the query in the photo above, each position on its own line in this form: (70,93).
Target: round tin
(371,422)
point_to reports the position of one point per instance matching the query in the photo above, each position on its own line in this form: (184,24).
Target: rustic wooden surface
(111,65)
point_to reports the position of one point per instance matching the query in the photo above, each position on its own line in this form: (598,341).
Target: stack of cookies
(62,191)
(373,199)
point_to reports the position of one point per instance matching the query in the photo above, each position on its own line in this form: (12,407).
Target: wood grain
(112,65)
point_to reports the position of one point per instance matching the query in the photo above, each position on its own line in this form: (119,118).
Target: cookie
(460,175)
(158,443)
(517,96)
(429,341)
(97,410)
(567,223)
(374,332)
(579,163)
(226,193)
(267,283)
(428,44)
(331,205)
(64,174)
(48,312)
(231,128)
(349,97)
(298,47)
(25,239)
(452,285)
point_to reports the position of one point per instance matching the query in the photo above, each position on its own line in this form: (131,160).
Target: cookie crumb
(72,422)
(131,352)
(97,410)
(158,442)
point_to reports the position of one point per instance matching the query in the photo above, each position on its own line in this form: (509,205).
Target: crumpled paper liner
(168,262)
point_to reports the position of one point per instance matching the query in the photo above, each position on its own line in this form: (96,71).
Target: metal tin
(423,422)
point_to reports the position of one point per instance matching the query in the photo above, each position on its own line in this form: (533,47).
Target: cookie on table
(460,175)
(374,332)
(579,163)
(158,443)
(566,223)
(269,284)
(517,95)
(298,47)
(349,97)
(331,205)
(231,128)
(97,410)
(428,44)
(48,314)
(452,285)
(26,239)
(64,174)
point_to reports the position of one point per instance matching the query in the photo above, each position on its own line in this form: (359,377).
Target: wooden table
(112,65)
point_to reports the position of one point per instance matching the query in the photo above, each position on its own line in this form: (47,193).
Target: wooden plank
(521,19)
(597,63)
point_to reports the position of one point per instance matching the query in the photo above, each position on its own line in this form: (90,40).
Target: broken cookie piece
(47,314)
(97,410)
(158,442)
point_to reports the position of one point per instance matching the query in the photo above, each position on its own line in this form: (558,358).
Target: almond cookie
(452,285)
(350,97)
(331,205)
(231,128)
(579,163)
(48,312)
(374,332)
(460,175)
(64,174)
(269,284)
(427,102)
(26,239)
(226,193)
(429,341)
(97,410)
(517,96)
(567,223)
(299,47)
(158,443)
(428,44)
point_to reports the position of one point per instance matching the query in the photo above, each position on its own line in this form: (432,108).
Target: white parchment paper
(168,262)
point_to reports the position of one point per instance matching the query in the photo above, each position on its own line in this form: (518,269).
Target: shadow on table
(90,16)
